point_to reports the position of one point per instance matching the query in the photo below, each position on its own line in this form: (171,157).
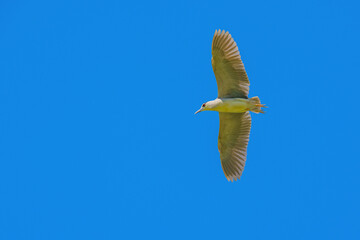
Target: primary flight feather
(232,104)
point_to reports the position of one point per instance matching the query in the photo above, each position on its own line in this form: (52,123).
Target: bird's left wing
(230,74)
(233,140)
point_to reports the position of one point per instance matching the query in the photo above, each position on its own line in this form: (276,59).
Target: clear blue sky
(98,138)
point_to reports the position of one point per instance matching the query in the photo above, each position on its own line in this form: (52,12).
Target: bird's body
(232,104)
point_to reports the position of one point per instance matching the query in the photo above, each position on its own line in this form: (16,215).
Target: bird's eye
(203,105)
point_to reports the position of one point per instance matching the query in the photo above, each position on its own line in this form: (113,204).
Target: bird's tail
(256,105)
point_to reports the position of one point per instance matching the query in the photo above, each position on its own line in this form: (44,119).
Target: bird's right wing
(233,140)
(230,74)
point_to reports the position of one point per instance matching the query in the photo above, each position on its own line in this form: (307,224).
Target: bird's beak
(200,110)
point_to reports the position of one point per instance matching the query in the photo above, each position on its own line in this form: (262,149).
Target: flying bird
(232,104)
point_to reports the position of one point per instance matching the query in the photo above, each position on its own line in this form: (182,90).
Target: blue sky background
(98,138)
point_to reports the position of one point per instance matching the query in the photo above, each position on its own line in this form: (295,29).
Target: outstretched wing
(230,74)
(233,140)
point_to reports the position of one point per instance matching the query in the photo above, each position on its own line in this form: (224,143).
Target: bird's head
(206,106)
(203,107)
(210,106)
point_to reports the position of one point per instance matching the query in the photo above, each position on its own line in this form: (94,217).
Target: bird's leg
(261,105)
(257,108)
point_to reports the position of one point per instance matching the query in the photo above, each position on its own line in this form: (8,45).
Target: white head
(208,106)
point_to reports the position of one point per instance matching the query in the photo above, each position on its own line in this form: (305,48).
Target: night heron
(232,104)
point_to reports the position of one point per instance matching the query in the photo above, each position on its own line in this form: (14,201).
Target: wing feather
(233,140)
(229,70)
